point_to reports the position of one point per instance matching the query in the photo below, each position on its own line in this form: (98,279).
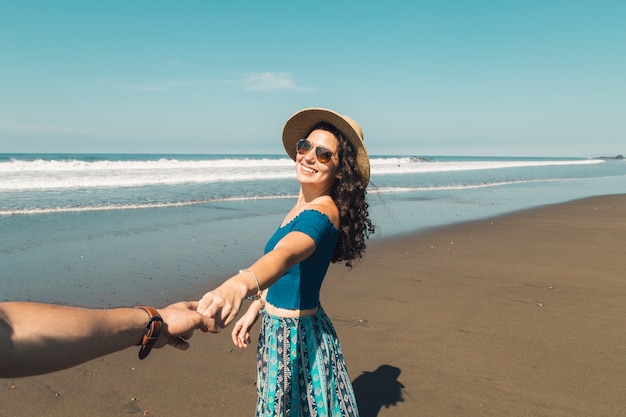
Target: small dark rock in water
(611,157)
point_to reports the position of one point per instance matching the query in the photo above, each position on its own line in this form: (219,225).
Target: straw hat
(299,125)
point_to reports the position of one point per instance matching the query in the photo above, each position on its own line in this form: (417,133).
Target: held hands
(221,305)
(179,322)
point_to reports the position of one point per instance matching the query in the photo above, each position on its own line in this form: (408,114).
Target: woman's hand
(241,330)
(223,303)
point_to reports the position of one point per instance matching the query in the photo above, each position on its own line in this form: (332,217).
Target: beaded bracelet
(257,296)
(153,329)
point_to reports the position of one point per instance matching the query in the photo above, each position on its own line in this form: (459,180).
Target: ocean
(107,230)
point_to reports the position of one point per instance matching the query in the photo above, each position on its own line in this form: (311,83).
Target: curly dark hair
(349,193)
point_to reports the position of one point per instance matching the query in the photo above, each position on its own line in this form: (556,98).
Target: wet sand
(520,315)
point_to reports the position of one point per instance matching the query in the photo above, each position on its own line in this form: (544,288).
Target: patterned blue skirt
(301,370)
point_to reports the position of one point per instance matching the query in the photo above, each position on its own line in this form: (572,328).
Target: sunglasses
(323,155)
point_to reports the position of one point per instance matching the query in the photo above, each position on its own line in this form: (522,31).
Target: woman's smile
(307,169)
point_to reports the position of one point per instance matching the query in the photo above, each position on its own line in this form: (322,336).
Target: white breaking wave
(394,190)
(136,206)
(40,174)
(386,166)
(72,174)
(57,165)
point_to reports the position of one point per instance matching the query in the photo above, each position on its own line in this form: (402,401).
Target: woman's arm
(223,303)
(37,338)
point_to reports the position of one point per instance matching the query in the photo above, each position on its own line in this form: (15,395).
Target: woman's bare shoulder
(329,208)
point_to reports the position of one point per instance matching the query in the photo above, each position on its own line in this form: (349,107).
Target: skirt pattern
(301,370)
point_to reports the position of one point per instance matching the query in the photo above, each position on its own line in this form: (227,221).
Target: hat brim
(300,124)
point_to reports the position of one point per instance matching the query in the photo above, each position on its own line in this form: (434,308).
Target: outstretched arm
(223,303)
(37,338)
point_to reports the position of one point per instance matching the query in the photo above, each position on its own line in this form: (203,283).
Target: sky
(502,78)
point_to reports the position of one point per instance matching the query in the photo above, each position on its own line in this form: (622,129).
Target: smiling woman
(300,364)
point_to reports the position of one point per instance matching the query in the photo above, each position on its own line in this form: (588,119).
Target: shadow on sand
(377,389)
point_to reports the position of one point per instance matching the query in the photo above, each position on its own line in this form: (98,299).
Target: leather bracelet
(153,329)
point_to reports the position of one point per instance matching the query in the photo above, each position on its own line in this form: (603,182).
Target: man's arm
(37,338)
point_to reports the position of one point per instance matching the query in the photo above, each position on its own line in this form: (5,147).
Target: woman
(301,369)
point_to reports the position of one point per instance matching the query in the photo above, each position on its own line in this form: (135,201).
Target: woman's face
(309,169)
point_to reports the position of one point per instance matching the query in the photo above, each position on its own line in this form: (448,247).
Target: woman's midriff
(286,313)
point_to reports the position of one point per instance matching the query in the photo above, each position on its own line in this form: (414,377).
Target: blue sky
(520,78)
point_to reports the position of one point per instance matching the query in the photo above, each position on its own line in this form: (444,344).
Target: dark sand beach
(519,315)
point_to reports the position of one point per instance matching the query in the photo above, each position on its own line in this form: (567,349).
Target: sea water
(107,230)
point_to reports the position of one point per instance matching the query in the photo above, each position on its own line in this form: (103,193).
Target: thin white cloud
(270,81)
(158,86)
(176,63)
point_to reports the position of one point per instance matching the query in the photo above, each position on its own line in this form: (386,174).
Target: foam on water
(63,174)
(42,174)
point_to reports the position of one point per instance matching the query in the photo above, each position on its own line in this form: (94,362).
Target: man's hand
(179,322)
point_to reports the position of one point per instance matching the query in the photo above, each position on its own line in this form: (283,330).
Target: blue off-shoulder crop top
(299,288)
